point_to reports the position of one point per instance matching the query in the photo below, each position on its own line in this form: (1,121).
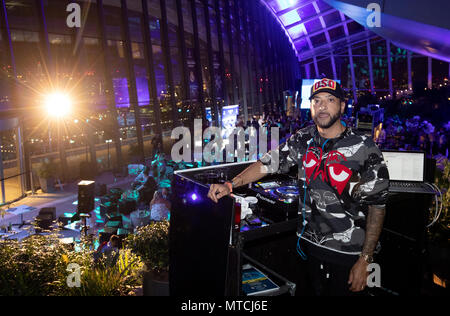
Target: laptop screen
(405,166)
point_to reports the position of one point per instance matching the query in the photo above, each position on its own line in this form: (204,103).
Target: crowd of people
(415,134)
(153,188)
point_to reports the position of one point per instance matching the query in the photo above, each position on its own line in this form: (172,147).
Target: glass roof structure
(315,27)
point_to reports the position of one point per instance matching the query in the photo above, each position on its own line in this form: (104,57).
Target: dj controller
(278,200)
(278,195)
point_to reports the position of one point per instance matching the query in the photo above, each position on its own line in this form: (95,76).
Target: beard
(325,125)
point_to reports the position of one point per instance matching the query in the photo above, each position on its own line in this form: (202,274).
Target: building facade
(134,70)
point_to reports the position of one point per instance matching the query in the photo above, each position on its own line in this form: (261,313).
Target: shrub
(151,243)
(110,277)
(439,233)
(30,267)
(37,266)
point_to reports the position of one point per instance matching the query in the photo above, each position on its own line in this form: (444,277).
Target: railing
(11,189)
(106,161)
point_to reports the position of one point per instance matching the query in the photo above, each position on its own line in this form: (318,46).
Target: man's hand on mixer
(218,191)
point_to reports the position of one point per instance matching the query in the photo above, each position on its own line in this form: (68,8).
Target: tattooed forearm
(253,173)
(374,226)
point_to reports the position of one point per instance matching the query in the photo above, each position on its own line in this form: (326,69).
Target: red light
(237,215)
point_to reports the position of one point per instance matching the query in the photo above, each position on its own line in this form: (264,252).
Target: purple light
(194,197)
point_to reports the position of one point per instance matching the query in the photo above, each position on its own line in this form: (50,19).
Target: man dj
(343,184)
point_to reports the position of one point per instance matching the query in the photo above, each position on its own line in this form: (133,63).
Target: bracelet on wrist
(229,185)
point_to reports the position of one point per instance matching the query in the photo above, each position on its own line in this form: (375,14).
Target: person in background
(141,179)
(442,142)
(423,143)
(147,190)
(108,249)
(433,144)
(156,145)
(109,246)
(160,165)
(160,205)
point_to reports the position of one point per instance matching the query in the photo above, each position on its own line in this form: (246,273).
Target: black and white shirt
(342,177)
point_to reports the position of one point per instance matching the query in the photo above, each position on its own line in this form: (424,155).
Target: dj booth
(211,246)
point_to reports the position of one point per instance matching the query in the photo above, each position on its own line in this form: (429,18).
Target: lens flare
(58,104)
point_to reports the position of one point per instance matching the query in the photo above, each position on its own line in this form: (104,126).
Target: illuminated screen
(405,166)
(229,116)
(306,92)
(208,114)
(268,185)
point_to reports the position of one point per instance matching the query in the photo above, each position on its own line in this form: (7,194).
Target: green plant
(37,266)
(118,277)
(151,243)
(48,170)
(31,267)
(440,231)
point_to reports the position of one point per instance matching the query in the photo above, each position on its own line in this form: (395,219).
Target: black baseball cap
(327,85)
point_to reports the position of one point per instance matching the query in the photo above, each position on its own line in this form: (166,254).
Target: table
(17,233)
(18,215)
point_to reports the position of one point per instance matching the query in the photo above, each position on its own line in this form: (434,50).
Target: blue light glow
(284,4)
(297,31)
(290,18)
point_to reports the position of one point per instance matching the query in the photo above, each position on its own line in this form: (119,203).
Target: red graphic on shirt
(310,163)
(334,173)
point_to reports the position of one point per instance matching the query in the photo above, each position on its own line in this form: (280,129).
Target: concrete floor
(62,200)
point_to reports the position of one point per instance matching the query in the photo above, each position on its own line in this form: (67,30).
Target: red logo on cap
(325,84)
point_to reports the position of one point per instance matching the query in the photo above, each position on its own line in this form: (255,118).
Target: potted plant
(47,174)
(151,243)
(439,240)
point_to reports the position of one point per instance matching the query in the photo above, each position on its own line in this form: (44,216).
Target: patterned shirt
(338,179)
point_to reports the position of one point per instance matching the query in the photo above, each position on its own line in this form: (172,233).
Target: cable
(436,206)
(442,205)
(299,249)
(437,213)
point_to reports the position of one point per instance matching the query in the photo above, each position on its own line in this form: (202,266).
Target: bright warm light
(58,104)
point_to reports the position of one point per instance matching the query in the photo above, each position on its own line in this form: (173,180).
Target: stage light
(58,104)
(194,197)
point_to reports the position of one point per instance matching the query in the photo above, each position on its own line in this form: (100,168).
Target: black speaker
(403,241)
(46,217)
(86,196)
(407,215)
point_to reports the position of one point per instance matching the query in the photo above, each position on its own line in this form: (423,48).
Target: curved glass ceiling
(315,27)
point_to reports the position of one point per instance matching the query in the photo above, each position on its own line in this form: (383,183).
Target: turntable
(278,200)
(288,193)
